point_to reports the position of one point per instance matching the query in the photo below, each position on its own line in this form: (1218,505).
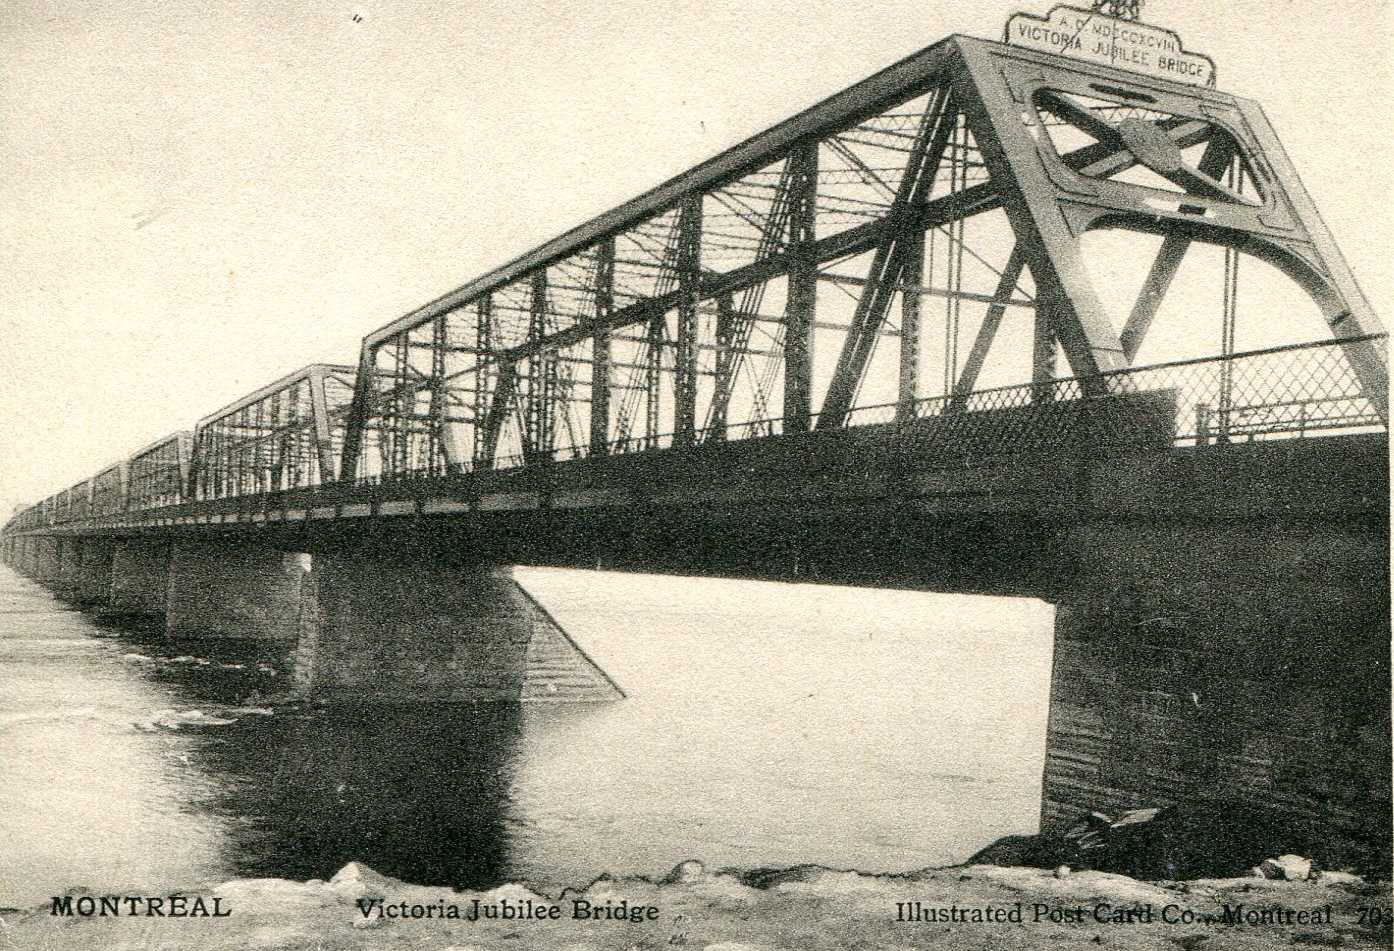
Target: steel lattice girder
(643,221)
(277,437)
(705,243)
(1050,199)
(158,473)
(1052,202)
(109,490)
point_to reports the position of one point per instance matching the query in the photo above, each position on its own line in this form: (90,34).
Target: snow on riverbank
(802,908)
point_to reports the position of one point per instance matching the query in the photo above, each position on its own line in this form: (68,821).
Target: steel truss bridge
(907,253)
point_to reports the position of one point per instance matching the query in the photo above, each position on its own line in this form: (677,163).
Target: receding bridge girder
(716,306)
(690,262)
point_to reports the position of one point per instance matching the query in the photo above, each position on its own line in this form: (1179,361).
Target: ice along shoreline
(805,907)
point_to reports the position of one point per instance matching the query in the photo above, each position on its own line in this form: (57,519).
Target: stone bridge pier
(368,621)
(139,577)
(1239,661)
(92,580)
(386,624)
(19,555)
(69,566)
(224,587)
(39,558)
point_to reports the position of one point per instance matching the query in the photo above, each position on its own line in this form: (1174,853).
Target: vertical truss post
(435,430)
(237,449)
(911,278)
(1229,322)
(222,476)
(1043,356)
(600,348)
(246,448)
(276,447)
(358,414)
(237,453)
(496,413)
(203,465)
(939,121)
(957,160)
(240,448)
(233,470)
(653,374)
(537,435)
(725,363)
(251,450)
(293,438)
(198,487)
(403,405)
(483,364)
(319,412)
(183,453)
(800,310)
(689,265)
(198,466)
(261,449)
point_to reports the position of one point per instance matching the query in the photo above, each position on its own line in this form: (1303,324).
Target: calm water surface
(766,724)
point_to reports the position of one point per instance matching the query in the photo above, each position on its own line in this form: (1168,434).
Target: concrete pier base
(93,583)
(412,630)
(69,568)
(22,556)
(139,577)
(233,589)
(1239,663)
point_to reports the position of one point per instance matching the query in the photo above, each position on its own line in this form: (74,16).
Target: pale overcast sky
(200,197)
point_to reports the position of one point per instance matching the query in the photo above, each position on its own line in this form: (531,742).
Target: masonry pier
(1230,662)
(233,588)
(139,576)
(92,586)
(376,623)
(39,558)
(69,568)
(391,627)
(42,558)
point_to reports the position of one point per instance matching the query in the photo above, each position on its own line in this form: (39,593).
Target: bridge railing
(1298,390)
(1286,392)
(1280,392)
(1307,389)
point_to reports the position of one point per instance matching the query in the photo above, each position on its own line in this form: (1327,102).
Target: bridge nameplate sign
(1126,44)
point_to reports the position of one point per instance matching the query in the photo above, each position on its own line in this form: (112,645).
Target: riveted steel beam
(938,122)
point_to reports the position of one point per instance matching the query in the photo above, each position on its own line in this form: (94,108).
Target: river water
(766,725)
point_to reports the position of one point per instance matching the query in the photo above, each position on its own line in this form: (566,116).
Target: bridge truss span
(286,435)
(915,246)
(879,247)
